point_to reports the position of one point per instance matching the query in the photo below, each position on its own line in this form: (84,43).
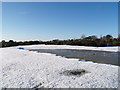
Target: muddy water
(88,55)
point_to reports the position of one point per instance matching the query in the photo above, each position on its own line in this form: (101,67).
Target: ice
(41,46)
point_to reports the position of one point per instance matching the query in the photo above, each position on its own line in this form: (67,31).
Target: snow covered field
(28,69)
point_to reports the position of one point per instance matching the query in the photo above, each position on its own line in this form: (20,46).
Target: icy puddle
(88,55)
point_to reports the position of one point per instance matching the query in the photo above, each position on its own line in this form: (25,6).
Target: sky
(58,20)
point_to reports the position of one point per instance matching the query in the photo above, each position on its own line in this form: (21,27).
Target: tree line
(93,40)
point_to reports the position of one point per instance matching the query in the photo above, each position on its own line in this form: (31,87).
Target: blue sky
(58,20)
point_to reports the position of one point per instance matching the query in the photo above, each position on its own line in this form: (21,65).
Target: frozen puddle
(88,55)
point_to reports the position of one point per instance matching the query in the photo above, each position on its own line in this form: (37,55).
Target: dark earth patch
(77,72)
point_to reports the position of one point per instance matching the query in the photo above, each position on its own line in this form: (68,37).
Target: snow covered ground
(28,69)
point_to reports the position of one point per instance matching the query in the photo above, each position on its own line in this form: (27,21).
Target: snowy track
(27,69)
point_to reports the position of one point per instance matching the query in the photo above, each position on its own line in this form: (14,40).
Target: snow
(28,69)
(41,46)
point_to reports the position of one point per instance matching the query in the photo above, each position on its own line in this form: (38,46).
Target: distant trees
(93,40)
(91,37)
(9,43)
(107,37)
(14,43)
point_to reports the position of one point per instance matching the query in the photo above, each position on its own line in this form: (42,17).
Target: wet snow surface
(28,69)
